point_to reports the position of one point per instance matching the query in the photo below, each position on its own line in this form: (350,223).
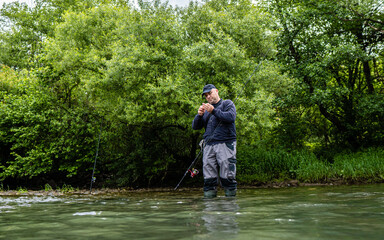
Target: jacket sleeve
(198,122)
(228,112)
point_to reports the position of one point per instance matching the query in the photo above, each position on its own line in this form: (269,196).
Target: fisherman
(219,147)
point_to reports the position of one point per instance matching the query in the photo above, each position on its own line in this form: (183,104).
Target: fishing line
(209,139)
(93,179)
(258,65)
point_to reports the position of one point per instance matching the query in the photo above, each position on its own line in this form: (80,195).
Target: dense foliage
(132,74)
(335,53)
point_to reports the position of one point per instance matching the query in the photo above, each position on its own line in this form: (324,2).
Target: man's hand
(208,107)
(201,110)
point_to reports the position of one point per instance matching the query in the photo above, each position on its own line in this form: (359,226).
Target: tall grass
(367,165)
(261,166)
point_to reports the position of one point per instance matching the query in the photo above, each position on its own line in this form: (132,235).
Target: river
(327,212)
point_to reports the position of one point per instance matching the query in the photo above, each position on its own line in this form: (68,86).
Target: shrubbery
(75,69)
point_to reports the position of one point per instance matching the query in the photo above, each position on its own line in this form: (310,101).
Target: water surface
(334,212)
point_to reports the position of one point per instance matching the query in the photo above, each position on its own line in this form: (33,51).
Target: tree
(24,29)
(39,138)
(333,50)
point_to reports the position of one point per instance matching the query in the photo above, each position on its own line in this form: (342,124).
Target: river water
(332,212)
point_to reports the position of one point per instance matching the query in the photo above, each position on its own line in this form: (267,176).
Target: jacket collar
(218,103)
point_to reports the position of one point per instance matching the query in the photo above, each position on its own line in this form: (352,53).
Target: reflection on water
(345,212)
(219,216)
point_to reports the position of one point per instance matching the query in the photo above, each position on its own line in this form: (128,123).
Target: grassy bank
(277,168)
(261,167)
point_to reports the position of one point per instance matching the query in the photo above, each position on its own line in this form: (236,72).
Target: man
(219,152)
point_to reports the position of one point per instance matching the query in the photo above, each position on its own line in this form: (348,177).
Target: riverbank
(117,191)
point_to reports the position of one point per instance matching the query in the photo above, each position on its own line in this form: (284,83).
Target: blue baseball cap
(207,88)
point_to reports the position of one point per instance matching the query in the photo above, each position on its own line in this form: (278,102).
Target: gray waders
(219,164)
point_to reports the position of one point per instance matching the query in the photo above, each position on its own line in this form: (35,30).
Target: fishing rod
(93,179)
(208,140)
(188,170)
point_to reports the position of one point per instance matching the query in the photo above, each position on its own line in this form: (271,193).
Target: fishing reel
(193,172)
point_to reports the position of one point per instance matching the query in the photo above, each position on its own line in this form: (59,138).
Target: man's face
(212,96)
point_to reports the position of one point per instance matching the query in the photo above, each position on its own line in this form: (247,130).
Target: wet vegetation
(74,71)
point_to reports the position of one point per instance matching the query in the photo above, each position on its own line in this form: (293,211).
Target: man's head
(211,93)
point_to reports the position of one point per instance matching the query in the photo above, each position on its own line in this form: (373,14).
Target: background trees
(334,52)
(134,74)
